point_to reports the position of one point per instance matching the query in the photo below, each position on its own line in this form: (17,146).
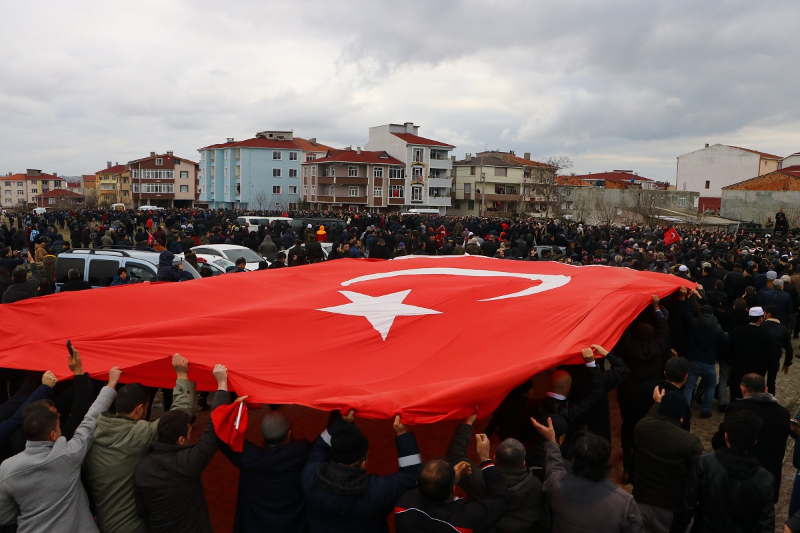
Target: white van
(150,208)
(254,222)
(39,210)
(118,207)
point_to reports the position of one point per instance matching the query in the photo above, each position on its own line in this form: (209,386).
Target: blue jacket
(8,427)
(343,499)
(166,272)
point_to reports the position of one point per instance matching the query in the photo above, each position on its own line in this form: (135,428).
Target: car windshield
(249,255)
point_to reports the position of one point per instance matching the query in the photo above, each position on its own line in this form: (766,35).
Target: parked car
(218,265)
(254,222)
(300,224)
(231,252)
(100,266)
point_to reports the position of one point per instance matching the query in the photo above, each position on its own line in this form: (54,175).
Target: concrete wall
(720,165)
(760,205)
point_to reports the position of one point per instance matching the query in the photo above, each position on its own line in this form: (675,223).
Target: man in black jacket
(432,507)
(21,287)
(781,342)
(707,341)
(771,444)
(747,350)
(74,282)
(728,490)
(663,453)
(527,508)
(168,483)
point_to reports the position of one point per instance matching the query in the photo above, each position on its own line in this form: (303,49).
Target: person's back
(663,455)
(41,487)
(21,287)
(727,490)
(340,496)
(121,440)
(168,484)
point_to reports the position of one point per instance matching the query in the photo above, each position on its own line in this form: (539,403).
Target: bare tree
(647,204)
(90,197)
(603,209)
(546,187)
(260,201)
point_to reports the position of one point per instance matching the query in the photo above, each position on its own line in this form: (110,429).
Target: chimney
(116,164)
(34,172)
(152,154)
(706,145)
(55,175)
(468,157)
(452,158)
(108,164)
(527,156)
(169,152)
(313,140)
(409,127)
(358,150)
(230,139)
(511,152)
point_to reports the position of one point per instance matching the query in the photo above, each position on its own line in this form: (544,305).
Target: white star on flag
(379,310)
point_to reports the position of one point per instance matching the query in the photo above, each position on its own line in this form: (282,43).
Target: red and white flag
(150,239)
(410,336)
(671,236)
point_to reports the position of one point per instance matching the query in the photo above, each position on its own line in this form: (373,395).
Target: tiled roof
(352,156)
(59,193)
(526,162)
(618,177)
(782,179)
(89,177)
(257,142)
(306,146)
(73,184)
(165,157)
(762,154)
(116,169)
(416,139)
(571,181)
(19,177)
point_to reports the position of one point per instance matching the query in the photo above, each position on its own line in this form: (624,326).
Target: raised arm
(183,393)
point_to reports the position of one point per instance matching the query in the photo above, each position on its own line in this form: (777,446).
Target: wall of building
(720,165)
(757,206)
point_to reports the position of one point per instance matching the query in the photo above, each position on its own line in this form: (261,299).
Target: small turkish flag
(230,424)
(150,239)
(671,236)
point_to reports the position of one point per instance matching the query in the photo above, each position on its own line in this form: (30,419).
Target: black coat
(771,445)
(747,350)
(270,491)
(781,342)
(726,491)
(23,290)
(75,285)
(168,484)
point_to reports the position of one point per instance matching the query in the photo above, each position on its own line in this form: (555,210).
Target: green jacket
(119,443)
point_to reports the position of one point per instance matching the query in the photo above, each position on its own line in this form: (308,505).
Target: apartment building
(107,182)
(163,180)
(354,180)
(426,181)
(22,189)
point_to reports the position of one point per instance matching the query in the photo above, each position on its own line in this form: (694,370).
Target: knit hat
(275,425)
(673,405)
(348,445)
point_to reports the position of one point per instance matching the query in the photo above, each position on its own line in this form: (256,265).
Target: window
(396,173)
(471,171)
(377,192)
(276,156)
(238,188)
(276,189)
(140,271)
(708,184)
(125,194)
(305,190)
(417,173)
(471,205)
(135,187)
(311,157)
(681,201)
(396,191)
(352,172)
(416,194)
(65,264)
(377,172)
(225,189)
(292,172)
(313,190)
(51,201)
(159,162)
(20,193)
(158,188)
(305,172)
(352,190)
(418,155)
(8,192)
(500,171)
(184,174)
(20,184)
(157,174)
(8,184)
(34,190)
(276,173)
(313,171)
(467,188)
(225,153)
(8,200)
(102,272)
(292,156)
(226,172)
(292,189)
(184,188)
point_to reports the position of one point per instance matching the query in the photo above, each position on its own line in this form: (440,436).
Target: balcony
(445,164)
(397,201)
(326,199)
(501,197)
(441,201)
(347,180)
(443,183)
(325,180)
(352,199)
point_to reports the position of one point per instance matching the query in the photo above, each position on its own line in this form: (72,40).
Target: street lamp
(483,193)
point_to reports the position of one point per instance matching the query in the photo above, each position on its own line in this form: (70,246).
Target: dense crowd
(81,456)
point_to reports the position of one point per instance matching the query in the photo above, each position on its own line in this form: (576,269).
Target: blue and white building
(262,173)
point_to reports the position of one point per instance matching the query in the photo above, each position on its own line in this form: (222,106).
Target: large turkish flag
(428,338)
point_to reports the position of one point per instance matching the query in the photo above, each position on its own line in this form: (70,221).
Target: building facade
(107,183)
(21,190)
(486,185)
(262,173)
(60,199)
(354,180)
(162,180)
(427,180)
(759,198)
(712,168)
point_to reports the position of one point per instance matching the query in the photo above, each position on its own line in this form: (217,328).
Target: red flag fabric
(671,236)
(230,424)
(150,239)
(428,338)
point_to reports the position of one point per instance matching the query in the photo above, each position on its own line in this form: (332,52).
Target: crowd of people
(84,456)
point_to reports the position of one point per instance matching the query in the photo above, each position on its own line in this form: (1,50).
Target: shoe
(705,415)
(722,407)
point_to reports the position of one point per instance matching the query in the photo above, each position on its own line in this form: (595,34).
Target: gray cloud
(618,84)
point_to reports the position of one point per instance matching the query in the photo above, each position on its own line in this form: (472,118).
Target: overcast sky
(611,85)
